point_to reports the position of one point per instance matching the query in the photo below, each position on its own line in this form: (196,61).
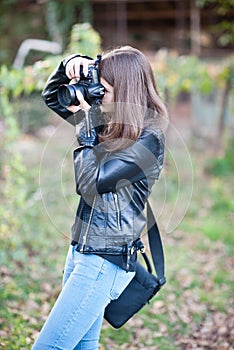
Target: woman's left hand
(83,104)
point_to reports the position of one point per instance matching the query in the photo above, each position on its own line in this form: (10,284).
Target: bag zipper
(115,195)
(84,239)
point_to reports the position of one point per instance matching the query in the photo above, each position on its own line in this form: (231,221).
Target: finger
(85,68)
(76,69)
(83,104)
(68,71)
(86,63)
(73,69)
(79,96)
(73,108)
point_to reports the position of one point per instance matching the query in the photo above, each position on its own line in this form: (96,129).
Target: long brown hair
(136,98)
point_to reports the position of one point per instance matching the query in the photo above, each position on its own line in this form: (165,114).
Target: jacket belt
(128,249)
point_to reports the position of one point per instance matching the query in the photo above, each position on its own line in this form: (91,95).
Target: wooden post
(121,12)
(180,25)
(195,28)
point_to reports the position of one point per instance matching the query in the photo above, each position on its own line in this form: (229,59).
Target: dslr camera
(90,87)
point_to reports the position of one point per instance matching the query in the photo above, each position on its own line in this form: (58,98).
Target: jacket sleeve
(49,94)
(144,158)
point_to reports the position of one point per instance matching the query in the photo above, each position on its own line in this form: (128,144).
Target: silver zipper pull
(84,239)
(117,210)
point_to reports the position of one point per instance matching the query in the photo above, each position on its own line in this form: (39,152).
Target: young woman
(119,157)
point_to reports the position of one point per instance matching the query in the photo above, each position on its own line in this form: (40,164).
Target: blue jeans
(89,284)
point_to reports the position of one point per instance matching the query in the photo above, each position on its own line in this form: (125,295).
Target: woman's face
(108,98)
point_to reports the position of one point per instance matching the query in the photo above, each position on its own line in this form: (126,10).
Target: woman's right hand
(72,68)
(72,71)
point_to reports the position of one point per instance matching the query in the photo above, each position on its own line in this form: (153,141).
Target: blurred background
(190,46)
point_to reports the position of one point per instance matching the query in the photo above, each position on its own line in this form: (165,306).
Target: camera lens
(67,96)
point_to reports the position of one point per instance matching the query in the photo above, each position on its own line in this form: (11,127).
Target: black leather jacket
(113,186)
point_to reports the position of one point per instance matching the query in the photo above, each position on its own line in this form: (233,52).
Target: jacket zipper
(87,123)
(115,195)
(84,239)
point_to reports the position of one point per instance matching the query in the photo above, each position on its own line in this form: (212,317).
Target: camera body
(89,86)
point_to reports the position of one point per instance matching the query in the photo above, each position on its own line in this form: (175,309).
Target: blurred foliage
(15,25)
(222,5)
(61,16)
(17,186)
(22,85)
(222,166)
(84,39)
(176,74)
(225,28)
(50,20)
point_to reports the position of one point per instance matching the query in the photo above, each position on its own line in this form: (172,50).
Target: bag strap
(155,245)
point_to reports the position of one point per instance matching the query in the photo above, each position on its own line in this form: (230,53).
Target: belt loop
(74,242)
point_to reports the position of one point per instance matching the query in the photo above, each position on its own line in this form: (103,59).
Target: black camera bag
(144,285)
